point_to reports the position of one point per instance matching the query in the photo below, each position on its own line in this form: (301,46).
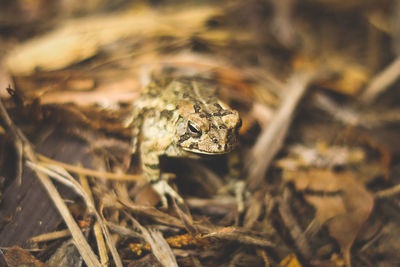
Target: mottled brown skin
(181,118)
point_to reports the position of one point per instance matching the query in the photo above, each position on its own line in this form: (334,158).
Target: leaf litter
(318,153)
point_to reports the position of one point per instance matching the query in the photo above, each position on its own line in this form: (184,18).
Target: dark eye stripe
(184,137)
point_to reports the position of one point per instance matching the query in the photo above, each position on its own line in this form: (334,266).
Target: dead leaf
(341,202)
(80,39)
(17,256)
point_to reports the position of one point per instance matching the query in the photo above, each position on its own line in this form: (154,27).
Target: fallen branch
(272,137)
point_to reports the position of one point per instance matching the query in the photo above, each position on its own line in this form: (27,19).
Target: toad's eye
(194,129)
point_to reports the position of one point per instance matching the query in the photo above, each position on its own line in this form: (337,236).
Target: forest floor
(317,169)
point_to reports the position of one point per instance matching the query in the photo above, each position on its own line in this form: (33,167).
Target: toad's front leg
(150,160)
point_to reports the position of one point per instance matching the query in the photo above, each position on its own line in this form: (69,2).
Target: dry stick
(271,139)
(123,231)
(101,245)
(264,256)
(19,149)
(79,239)
(381,81)
(236,234)
(392,191)
(159,246)
(89,172)
(64,177)
(50,236)
(341,113)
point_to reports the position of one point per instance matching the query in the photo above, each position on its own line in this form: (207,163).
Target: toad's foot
(238,189)
(163,188)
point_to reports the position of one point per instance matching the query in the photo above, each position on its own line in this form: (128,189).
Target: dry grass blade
(50,236)
(101,245)
(390,192)
(88,172)
(64,177)
(154,214)
(237,235)
(271,139)
(340,113)
(123,230)
(264,257)
(381,81)
(159,246)
(79,239)
(85,250)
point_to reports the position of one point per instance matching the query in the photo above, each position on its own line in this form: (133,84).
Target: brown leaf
(17,256)
(341,202)
(63,46)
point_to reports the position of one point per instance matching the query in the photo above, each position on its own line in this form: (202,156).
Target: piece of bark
(26,209)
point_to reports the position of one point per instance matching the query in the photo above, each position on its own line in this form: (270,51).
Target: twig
(264,257)
(50,236)
(271,139)
(282,24)
(153,213)
(19,153)
(388,192)
(101,245)
(381,81)
(123,231)
(339,112)
(238,235)
(89,172)
(159,246)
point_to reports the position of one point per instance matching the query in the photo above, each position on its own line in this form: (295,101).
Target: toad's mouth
(226,150)
(198,151)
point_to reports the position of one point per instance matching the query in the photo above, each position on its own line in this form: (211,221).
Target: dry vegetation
(316,84)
